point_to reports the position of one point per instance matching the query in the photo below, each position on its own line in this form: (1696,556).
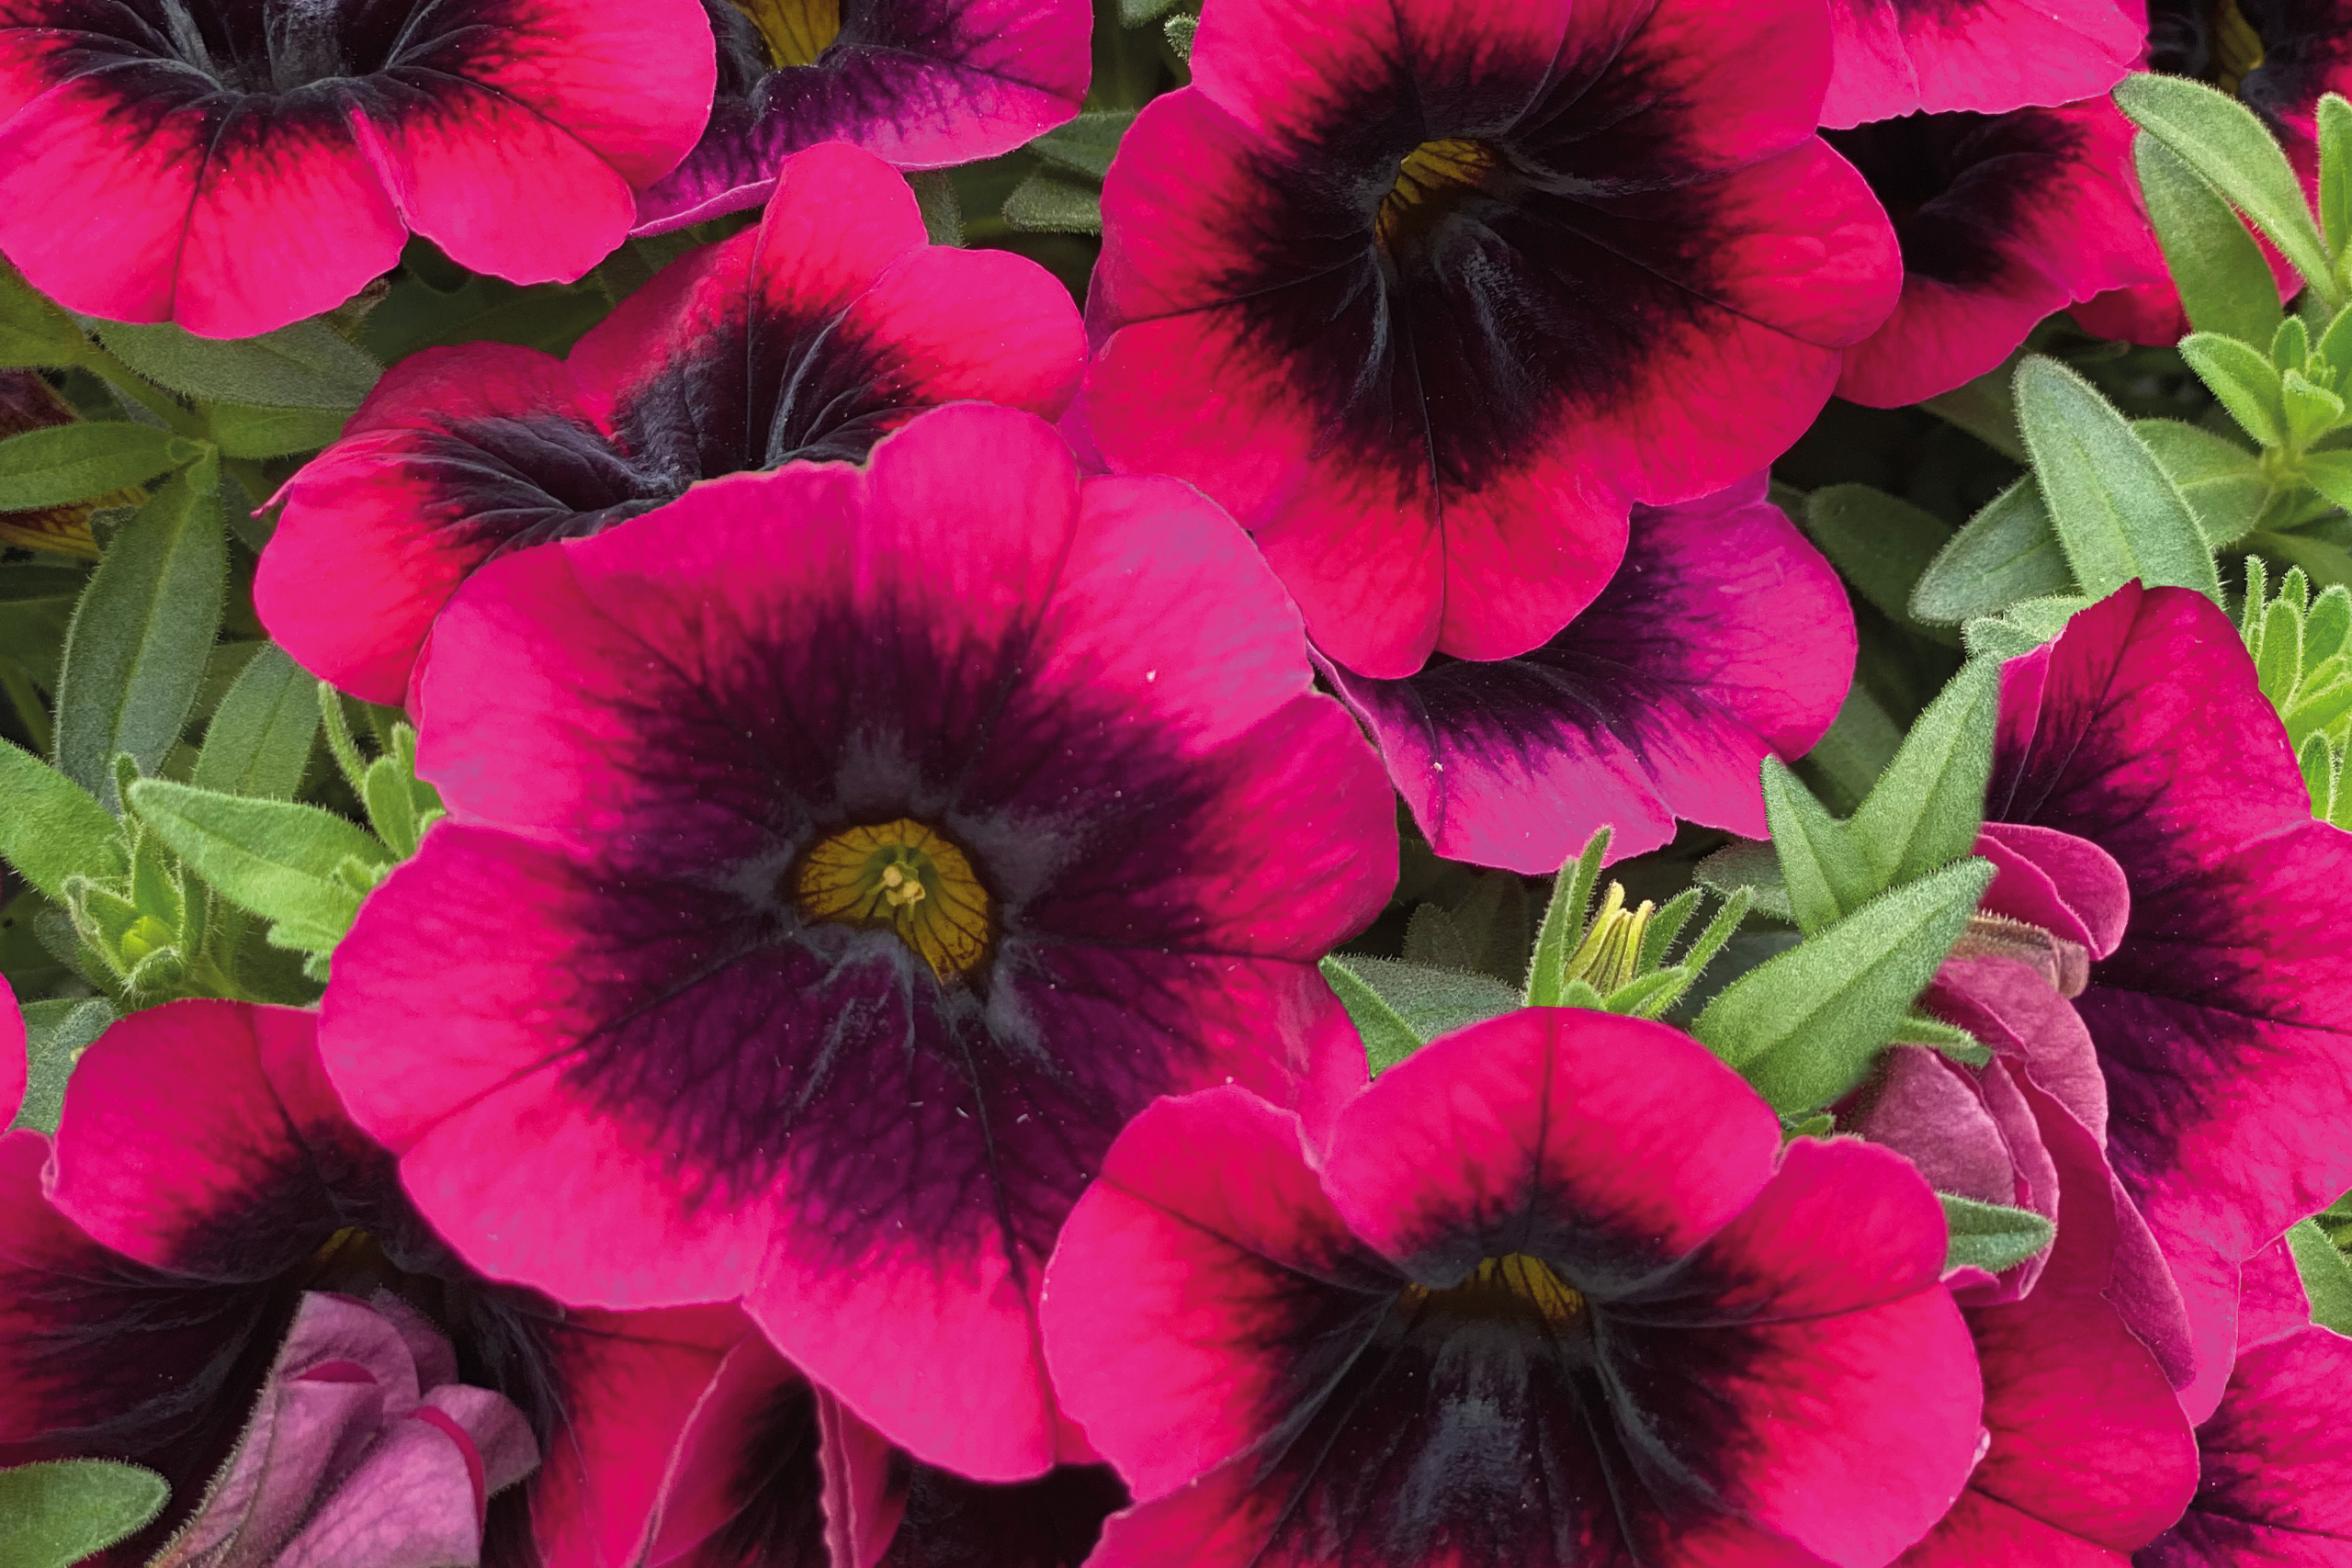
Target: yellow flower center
(1507,1286)
(904,877)
(1427,180)
(796,31)
(2237,48)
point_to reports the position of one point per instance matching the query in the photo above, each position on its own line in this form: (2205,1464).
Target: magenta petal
(1897,56)
(1722,638)
(226,1096)
(1208,1225)
(2068,885)
(14,1063)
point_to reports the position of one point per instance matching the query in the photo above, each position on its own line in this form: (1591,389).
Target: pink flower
(364,1450)
(233,168)
(203,1177)
(836,860)
(1897,57)
(1552,1293)
(2275,1487)
(811,337)
(2219,1010)
(1722,638)
(922,82)
(1428,294)
(2003,219)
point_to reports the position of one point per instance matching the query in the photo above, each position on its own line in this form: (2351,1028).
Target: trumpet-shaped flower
(835,862)
(1428,294)
(813,336)
(234,168)
(1551,1293)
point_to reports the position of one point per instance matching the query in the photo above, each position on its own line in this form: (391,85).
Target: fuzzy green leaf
(51,828)
(1881,544)
(2243,379)
(1990,1236)
(2119,515)
(1925,810)
(2220,139)
(2311,410)
(136,654)
(2325,564)
(2335,171)
(76,462)
(260,739)
(1822,872)
(2225,285)
(34,333)
(1563,921)
(1387,1038)
(2221,481)
(275,858)
(1804,1027)
(273,433)
(56,1033)
(306,365)
(1753,865)
(1183,29)
(2007,552)
(1433,1001)
(1054,201)
(1086,145)
(2327,1276)
(56,1513)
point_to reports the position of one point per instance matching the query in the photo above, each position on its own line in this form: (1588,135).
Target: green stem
(30,708)
(136,388)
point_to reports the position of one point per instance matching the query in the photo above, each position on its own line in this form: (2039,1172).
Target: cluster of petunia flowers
(848,1080)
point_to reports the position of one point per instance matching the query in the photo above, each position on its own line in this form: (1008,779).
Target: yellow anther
(1434,169)
(905,877)
(796,31)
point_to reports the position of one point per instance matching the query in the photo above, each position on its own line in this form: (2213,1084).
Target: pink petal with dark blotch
(1896,57)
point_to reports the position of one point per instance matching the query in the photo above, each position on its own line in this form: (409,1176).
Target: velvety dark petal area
(1053,1522)
(1894,57)
(102,1355)
(1391,409)
(921,82)
(2003,219)
(1722,638)
(2220,1017)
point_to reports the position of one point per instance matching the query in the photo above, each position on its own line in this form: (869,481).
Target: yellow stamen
(1610,955)
(1432,170)
(904,877)
(796,31)
(2237,48)
(1505,1284)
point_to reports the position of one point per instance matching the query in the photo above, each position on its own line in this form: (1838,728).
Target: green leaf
(1804,1027)
(136,653)
(77,462)
(34,333)
(2222,482)
(273,433)
(260,738)
(2119,515)
(1751,864)
(2243,379)
(2335,171)
(1950,1039)
(2327,1276)
(306,365)
(1433,1001)
(1086,145)
(1822,872)
(1881,544)
(56,1033)
(1136,13)
(2290,345)
(1990,1236)
(1982,408)
(54,1514)
(941,208)
(2325,564)
(275,858)
(2225,284)
(1052,201)
(2311,410)
(1181,31)
(2007,552)
(51,828)
(1556,934)
(2220,139)
(1925,810)
(1387,1039)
